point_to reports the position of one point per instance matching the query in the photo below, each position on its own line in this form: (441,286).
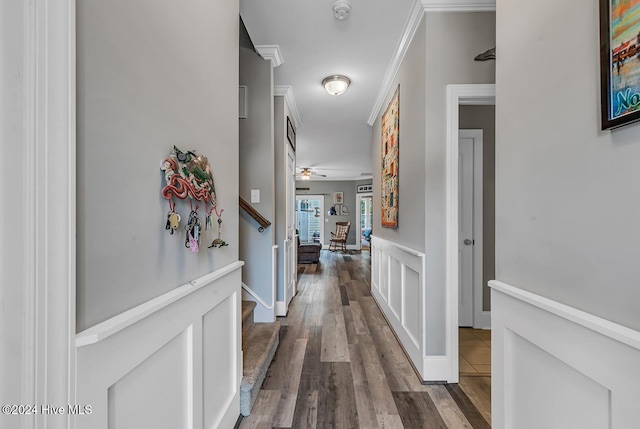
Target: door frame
(45,295)
(359,198)
(457,95)
(290,249)
(481,319)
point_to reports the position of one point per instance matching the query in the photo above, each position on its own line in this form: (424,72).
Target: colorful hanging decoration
(192,241)
(188,175)
(219,242)
(173,218)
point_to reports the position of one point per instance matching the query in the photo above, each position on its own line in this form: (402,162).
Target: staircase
(259,344)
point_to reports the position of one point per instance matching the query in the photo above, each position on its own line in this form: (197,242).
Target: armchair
(339,238)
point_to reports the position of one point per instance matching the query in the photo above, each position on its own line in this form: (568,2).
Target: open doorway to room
(469,213)
(470,238)
(310,218)
(365,204)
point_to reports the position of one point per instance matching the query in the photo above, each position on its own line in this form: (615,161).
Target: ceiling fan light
(305,177)
(336,84)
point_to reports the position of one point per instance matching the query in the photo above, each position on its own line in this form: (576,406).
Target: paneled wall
(173,362)
(398,286)
(558,367)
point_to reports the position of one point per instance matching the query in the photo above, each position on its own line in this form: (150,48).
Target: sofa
(308,253)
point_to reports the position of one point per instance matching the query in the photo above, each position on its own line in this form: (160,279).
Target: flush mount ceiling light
(336,84)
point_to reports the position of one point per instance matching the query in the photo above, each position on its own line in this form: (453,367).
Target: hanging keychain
(208,223)
(173,218)
(219,242)
(192,241)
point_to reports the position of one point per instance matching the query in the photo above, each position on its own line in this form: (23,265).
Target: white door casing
(290,249)
(468,94)
(38,209)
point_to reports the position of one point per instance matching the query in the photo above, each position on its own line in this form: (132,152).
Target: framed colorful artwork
(619,62)
(338,197)
(390,160)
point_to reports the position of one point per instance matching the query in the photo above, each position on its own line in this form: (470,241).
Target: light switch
(255,195)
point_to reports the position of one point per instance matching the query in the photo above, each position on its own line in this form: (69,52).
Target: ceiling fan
(306,174)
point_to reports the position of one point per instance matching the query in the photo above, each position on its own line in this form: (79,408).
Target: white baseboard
(483,321)
(554,366)
(436,368)
(281,308)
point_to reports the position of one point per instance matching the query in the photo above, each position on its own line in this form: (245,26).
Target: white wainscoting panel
(557,367)
(176,363)
(398,286)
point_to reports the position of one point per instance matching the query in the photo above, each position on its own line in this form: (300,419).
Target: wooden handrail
(264,223)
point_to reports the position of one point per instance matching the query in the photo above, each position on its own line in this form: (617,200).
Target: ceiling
(333,136)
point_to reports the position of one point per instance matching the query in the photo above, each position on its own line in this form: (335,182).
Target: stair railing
(264,222)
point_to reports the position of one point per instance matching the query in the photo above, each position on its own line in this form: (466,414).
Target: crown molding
(270,52)
(411,26)
(286,91)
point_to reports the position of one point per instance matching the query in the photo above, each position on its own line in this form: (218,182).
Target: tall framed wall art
(390,160)
(619,62)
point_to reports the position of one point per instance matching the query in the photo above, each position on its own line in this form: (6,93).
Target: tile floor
(475,352)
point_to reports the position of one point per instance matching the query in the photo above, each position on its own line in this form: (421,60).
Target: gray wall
(138,94)
(566,205)
(257,171)
(441,53)
(328,187)
(411,197)
(484,118)
(453,40)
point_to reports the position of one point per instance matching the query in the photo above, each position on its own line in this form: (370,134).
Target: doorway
(457,95)
(310,218)
(364,202)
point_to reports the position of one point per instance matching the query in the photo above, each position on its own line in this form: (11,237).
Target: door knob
(468,242)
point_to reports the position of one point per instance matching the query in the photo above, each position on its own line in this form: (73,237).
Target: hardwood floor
(339,365)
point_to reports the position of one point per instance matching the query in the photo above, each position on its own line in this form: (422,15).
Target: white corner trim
(123,320)
(594,323)
(270,52)
(411,26)
(286,91)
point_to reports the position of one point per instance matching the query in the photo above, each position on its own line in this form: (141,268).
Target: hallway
(340,365)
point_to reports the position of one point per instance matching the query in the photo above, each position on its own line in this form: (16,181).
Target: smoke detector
(341,9)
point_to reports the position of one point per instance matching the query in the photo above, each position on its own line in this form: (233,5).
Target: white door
(465,232)
(290,248)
